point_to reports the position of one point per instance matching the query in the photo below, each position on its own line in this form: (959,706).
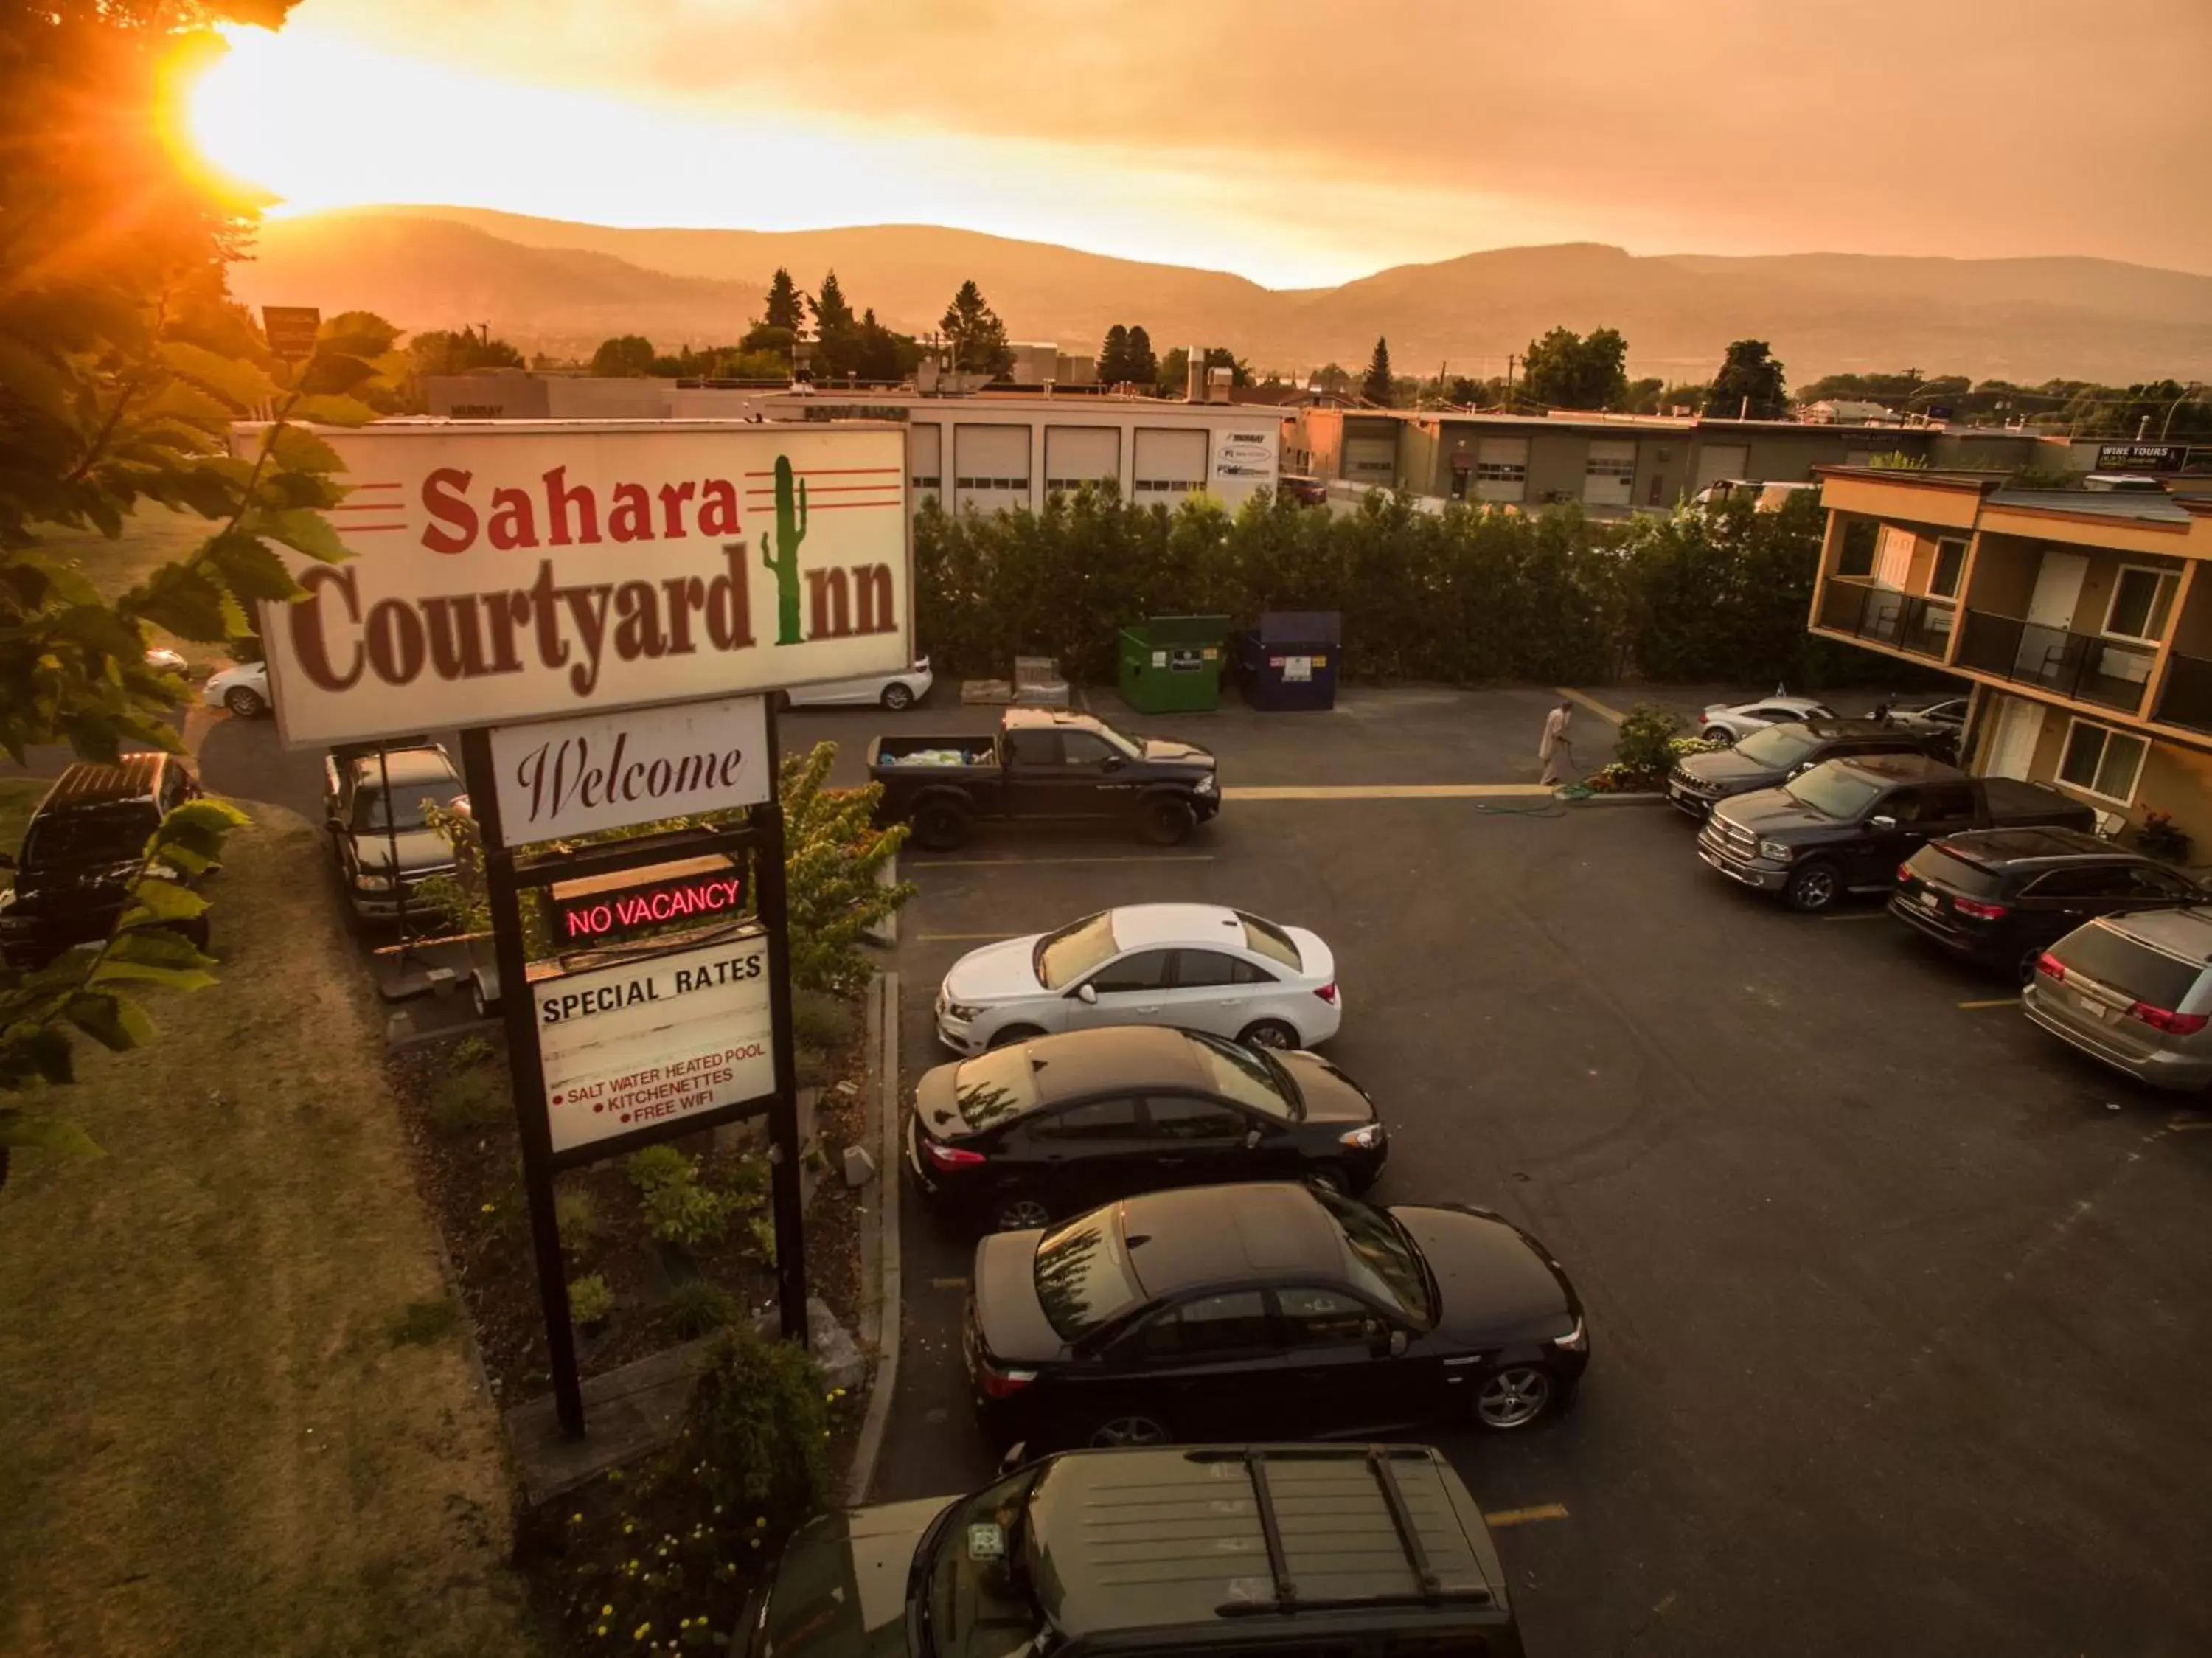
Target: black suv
(81,852)
(1769,758)
(1372,1551)
(384,851)
(2004,896)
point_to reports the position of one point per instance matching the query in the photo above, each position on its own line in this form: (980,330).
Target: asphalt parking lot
(1895,1306)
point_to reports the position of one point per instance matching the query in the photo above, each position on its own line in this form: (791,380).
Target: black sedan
(1058,1123)
(1271,1310)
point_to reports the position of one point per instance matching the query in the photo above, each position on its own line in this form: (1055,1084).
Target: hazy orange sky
(1296,142)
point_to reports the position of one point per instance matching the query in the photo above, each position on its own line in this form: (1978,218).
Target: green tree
(460,351)
(1172,374)
(786,306)
(1566,371)
(1376,385)
(1114,357)
(830,310)
(1749,384)
(1639,396)
(1220,357)
(975,334)
(834,856)
(123,365)
(621,359)
(881,353)
(1143,366)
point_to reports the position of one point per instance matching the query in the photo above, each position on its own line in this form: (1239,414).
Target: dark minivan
(2003,897)
(1335,1550)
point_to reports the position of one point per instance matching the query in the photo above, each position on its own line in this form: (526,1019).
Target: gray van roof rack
(1431,1591)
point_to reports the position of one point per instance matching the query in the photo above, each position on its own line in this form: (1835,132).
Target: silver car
(2136,992)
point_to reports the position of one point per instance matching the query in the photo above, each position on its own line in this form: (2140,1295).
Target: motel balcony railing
(2086,667)
(2185,697)
(1879,615)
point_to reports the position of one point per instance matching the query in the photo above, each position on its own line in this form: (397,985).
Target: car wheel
(898,695)
(1513,1398)
(244,701)
(1166,821)
(940,825)
(476,999)
(1814,887)
(2024,969)
(1268,1034)
(1014,1034)
(1131,1428)
(1022,1215)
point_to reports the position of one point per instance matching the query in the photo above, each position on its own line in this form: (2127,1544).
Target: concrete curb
(889,1286)
(1634,797)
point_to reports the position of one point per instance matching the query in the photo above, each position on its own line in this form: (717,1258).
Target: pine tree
(977,338)
(1114,357)
(786,306)
(1144,367)
(830,309)
(1376,387)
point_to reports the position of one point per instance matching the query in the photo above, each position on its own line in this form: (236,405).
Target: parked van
(2133,990)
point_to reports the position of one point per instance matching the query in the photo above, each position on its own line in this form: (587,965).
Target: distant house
(1846,411)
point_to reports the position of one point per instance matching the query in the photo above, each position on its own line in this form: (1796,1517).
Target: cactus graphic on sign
(783,563)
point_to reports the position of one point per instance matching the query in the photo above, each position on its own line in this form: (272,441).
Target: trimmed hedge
(1462,595)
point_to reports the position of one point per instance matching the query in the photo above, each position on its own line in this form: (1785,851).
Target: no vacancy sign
(632,1047)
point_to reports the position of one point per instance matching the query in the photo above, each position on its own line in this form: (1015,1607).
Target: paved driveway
(1896,1310)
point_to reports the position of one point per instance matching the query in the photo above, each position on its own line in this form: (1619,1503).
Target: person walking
(1555,744)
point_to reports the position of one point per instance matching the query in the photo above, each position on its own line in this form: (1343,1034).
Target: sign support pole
(783,1117)
(527,1076)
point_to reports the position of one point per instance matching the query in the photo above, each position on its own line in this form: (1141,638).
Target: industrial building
(2080,616)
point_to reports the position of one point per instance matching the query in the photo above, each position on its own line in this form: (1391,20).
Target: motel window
(929,481)
(1860,537)
(1022,483)
(2140,601)
(2103,762)
(1950,564)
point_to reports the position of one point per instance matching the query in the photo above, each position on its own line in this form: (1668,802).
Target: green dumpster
(1172,664)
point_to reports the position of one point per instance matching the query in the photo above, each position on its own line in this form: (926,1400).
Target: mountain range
(549,284)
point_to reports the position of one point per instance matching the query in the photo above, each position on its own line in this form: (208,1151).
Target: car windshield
(1265,938)
(1834,791)
(994,1087)
(1249,1076)
(1131,747)
(370,817)
(980,1599)
(1778,747)
(102,834)
(1084,1278)
(1381,1257)
(1066,956)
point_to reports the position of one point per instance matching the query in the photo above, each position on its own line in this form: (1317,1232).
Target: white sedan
(1737,722)
(243,689)
(891,691)
(1200,966)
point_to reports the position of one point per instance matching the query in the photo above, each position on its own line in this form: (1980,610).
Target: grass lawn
(235,1414)
(151,537)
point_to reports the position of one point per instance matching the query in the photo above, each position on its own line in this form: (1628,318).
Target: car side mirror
(1111,763)
(1881,823)
(1251,1139)
(7,860)
(1084,994)
(331,823)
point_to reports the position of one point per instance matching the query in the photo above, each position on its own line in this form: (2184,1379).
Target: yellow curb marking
(1993,1002)
(1522,1516)
(1397,791)
(1611,716)
(1870,915)
(2185,1125)
(959,938)
(1010,863)
(948,1283)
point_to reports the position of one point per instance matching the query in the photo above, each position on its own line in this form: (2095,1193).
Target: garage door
(1609,475)
(1719,461)
(925,455)
(1074,455)
(1501,469)
(991,467)
(1168,462)
(1371,460)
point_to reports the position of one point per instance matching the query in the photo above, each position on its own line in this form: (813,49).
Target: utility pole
(1511,359)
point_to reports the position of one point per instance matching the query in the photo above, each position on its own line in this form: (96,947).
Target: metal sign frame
(509,872)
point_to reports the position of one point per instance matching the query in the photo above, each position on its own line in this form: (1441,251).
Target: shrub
(761,1425)
(820,1022)
(468,1102)
(658,1165)
(697,1308)
(1646,740)
(472,1049)
(578,1215)
(686,1214)
(833,855)
(421,1323)
(590,1301)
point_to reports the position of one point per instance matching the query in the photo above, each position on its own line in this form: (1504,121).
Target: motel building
(2082,617)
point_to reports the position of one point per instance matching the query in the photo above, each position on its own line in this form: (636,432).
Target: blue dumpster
(1291,660)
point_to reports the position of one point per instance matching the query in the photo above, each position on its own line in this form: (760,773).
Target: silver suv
(2136,992)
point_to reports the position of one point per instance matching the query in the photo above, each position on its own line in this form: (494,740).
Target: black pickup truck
(1045,764)
(1846,825)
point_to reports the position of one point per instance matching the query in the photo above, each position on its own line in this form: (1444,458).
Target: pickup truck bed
(2016,805)
(942,753)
